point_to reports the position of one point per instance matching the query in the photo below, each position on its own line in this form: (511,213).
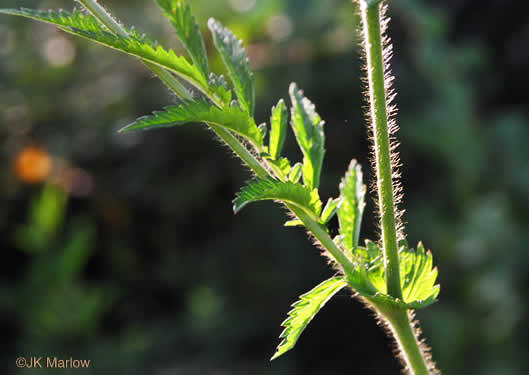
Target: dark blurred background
(123,249)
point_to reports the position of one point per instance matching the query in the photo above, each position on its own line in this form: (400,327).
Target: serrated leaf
(295,173)
(308,128)
(368,274)
(263,129)
(236,61)
(278,125)
(136,44)
(187,30)
(231,118)
(219,90)
(375,259)
(418,276)
(329,210)
(293,223)
(352,192)
(304,311)
(268,188)
(281,166)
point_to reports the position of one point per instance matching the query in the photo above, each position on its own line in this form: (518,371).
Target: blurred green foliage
(144,270)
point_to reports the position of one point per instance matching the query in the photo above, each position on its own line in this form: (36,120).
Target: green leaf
(231,118)
(236,61)
(418,277)
(304,310)
(329,210)
(293,223)
(278,130)
(137,45)
(352,192)
(295,173)
(219,90)
(288,192)
(281,166)
(179,12)
(368,274)
(264,130)
(308,128)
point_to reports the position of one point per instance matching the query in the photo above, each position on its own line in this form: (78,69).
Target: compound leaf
(352,192)
(287,192)
(231,118)
(236,61)
(136,44)
(304,311)
(308,128)
(278,131)
(187,30)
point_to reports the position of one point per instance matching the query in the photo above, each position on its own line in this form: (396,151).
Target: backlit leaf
(329,210)
(278,132)
(288,192)
(352,192)
(308,128)
(236,61)
(304,311)
(136,44)
(295,173)
(179,12)
(231,118)
(418,276)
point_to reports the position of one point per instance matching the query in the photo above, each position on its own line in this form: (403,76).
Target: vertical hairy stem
(397,319)
(379,121)
(413,356)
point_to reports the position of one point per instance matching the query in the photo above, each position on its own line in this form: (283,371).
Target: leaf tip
(213,24)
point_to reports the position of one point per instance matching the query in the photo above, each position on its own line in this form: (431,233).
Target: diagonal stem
(106,19)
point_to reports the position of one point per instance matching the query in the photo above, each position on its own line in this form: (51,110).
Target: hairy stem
(106,19)
(379,121)
(241,151)
(397,319)
(325,240)
(401,327)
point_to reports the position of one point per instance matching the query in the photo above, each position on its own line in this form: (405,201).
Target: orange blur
(32,164)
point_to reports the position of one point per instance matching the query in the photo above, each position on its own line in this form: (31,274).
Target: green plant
(389,277)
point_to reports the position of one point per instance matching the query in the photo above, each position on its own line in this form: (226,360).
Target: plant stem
(400,325)
(241,151)
(397,319)
(379,120)
(322,236)
(106,19)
